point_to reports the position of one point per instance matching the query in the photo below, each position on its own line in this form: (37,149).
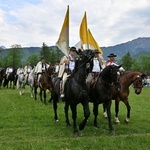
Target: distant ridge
(136,47)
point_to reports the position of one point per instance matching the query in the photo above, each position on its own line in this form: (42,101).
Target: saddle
(95,76)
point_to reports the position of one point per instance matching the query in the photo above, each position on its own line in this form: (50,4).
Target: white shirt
(113,63)
(71,63)
(96,65)
(20,70)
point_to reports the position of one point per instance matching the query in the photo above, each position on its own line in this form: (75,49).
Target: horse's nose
(137,92)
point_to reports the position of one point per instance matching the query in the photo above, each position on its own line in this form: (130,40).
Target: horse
(100,92)
(131,77)
(2,74)
(10,80)
(21,83)
(45,82)
(75,91)
(30,81)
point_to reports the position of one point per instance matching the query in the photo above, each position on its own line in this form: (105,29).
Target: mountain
(136,47)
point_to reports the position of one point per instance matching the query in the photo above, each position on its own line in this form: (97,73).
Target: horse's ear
(78,51)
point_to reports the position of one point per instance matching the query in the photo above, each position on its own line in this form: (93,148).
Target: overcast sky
(32,22)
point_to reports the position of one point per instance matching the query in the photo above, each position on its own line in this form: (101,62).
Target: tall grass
(29,124)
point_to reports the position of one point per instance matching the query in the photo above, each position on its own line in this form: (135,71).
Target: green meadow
(28,124)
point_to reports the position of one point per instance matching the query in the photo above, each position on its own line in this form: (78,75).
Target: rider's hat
(73,49)
(111,55)
(96,51)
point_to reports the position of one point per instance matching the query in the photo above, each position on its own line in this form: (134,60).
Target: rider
(8,71)
(20,70)
(111,61)
(27,70)
(40,68)
(94,68)
(67,65)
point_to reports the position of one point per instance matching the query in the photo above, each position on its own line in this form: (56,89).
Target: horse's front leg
(31,90)
(35,92)
(86,115)
(74,117)
(116,111)
(108,107)
(55,101)
(104,111)
(128,110)
(95,112)
(45,97)
(41,95)
(66,108)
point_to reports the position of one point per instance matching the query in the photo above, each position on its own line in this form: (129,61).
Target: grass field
(29,124)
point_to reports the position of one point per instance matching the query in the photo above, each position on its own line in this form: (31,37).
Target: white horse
(21,83)
(30,81)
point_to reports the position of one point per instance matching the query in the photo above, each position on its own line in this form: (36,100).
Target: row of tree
(142,64)
(15,55)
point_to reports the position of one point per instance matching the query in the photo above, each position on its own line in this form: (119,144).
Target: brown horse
(132,77)
(45,83)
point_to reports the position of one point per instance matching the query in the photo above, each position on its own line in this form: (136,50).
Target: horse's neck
(127,79)
(80,74)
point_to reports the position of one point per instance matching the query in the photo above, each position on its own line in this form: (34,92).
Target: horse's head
(85,56)
(110,73)
(138,83)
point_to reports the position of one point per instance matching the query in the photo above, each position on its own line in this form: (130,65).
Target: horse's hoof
(117,123)
(126,122)
(76,133)
(96,126)
(68,125)
(56,121)
(81,127)
(112,132)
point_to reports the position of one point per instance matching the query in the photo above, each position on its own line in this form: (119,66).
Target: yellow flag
(83,32)
(63,41)
(92,43)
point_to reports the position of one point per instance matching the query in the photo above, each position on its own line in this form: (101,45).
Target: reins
(84,63)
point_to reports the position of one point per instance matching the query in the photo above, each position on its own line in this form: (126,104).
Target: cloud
(30,22)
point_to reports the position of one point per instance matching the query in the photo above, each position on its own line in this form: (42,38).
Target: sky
(29,23)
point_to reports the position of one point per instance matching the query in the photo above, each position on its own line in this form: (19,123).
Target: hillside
(136,47)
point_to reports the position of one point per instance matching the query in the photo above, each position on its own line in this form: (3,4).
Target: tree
(33,59)
(127,61)
(45,52)
(145,63)
(14,56)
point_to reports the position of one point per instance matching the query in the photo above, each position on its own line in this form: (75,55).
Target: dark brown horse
(101,92)
(75,91)
(132,77)
(10,80)
(2,74)
(45,83)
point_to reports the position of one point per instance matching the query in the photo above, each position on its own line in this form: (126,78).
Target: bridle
(112,82)
(89,58)
(138,78)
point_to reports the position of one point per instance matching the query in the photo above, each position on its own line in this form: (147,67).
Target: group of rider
(66,67)
(67,64)
(26,70)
